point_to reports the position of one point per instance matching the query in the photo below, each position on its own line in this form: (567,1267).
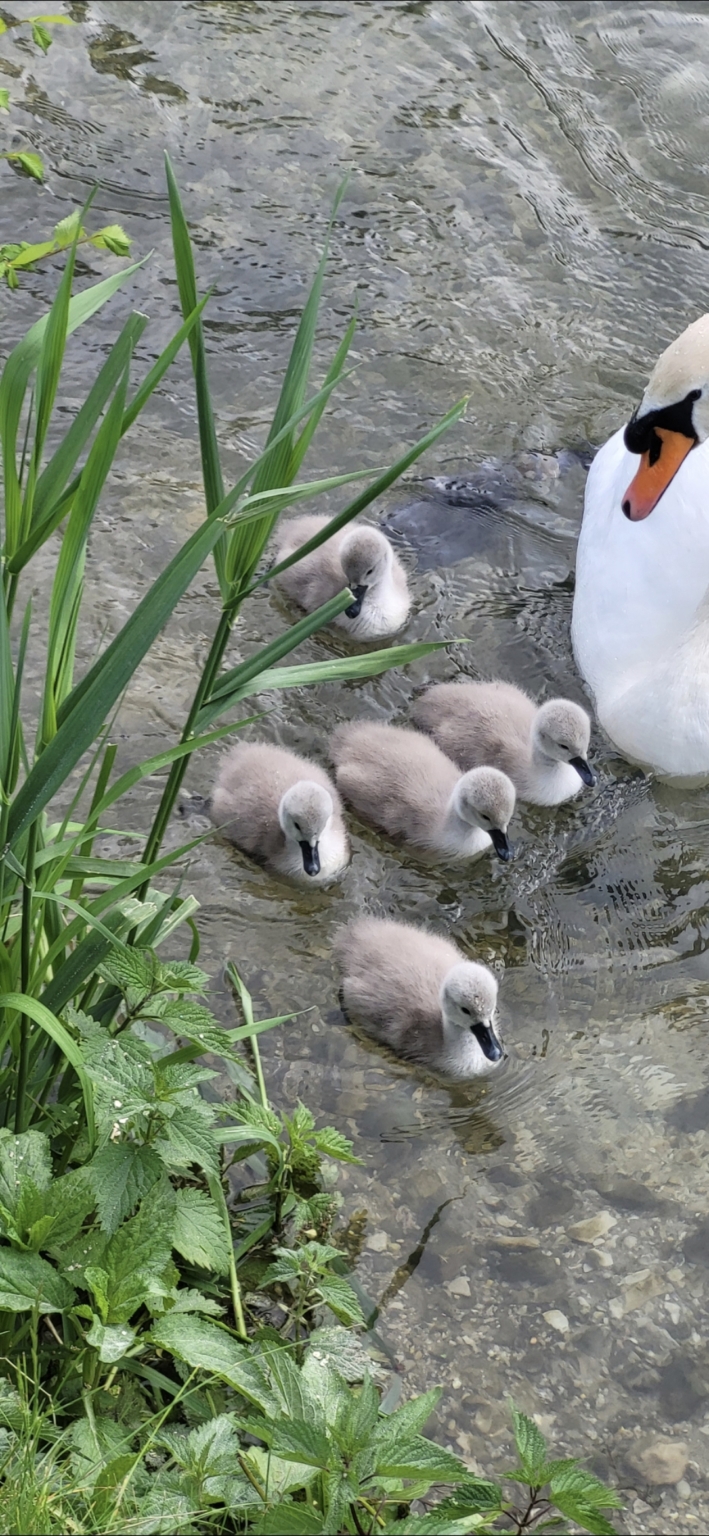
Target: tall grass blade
(49,367)
(282,646)
(60,504)
(54,476)
(40,1014)
(332,376)
(340,669)
(187,286)
(15,378)
(69,575)
(105,681)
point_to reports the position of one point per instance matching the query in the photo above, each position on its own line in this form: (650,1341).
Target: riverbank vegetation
(183,1341)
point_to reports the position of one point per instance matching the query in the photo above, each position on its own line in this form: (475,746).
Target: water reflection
(526,223)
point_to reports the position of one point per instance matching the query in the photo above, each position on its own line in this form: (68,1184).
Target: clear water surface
(527,222)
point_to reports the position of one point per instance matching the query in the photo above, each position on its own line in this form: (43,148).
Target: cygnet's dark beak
(355,608)
(488,1042)
(501,844)
(584,772)
(311,858)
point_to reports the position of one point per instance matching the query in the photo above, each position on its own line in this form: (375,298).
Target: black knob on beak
(355,608)
(584,772)
(501,844)
(311,858)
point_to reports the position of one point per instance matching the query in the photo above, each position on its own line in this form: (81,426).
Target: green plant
(27,160)
(22,256)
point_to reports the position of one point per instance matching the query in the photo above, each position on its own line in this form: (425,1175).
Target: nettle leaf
(138,1256)
(357,1418)
(297,1519)
(113,1342)
(216,1351)
(188,1137)
(339,1296)
(121,1174)
(330,1143)
(28,1282)
(473,1494)
(409,1457)
(440,1524)
(280,1477)
(584,1486)
(123,1081)
(585,1515)
(41,36)
(112,238)
(31,164)
(531,1447)
(199,1234)
(298,1440)
(186,1300)
(68,1200)
(409,1419)
(192,1021)
(182,976)
(337,1347)
(178,1077)
(327,1391)
(136,972)
(23,1157)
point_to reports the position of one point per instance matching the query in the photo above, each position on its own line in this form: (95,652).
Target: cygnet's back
(253,779)
(359,556)
(401,781)
(542,749)
(391,980)
(395,778)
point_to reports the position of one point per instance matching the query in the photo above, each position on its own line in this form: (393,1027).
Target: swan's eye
(655,449)
(465,1010)
(565,746)
(370,573)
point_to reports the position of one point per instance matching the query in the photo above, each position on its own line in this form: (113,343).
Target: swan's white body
(640,625)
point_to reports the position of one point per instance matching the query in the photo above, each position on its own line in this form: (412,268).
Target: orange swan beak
(652,479)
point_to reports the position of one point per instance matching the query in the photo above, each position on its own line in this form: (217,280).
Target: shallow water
(526,222)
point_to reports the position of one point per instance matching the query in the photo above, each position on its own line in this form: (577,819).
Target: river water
(527,222)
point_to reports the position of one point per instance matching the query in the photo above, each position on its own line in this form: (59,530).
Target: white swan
(640,625)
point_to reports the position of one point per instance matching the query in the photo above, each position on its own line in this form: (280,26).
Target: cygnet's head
(562,731)
(304,813)
(673,416)
(365,556)
(485,798)
(468,1002)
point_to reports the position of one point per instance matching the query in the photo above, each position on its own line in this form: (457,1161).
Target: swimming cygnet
(283,810)
(403,783)
(416,993)
(542,749)
(359,557)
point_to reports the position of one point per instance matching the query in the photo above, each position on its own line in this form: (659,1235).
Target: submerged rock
(659,1461)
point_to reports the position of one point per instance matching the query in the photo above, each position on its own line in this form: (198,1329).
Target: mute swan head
(304,813)
(468,1002)
(673,416)
(485,798)
(562,731)
(365,556)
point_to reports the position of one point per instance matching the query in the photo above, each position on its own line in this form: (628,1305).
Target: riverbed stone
(593,1227)
(659,1461)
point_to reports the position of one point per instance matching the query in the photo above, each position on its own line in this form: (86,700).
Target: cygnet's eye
(296,828)
(463,1009)
(370,572)
(565,746)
